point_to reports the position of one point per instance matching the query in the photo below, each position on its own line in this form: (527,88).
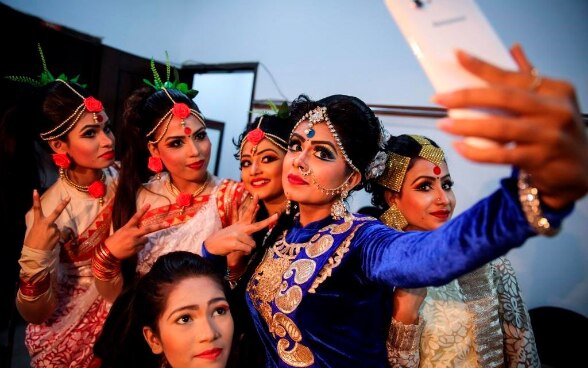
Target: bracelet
(34,289)
(531,205)
(105,266)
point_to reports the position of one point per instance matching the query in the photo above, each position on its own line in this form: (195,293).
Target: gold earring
(338,209)
(288,207)
(394,218)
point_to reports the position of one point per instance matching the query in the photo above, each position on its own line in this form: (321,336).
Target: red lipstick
(210,354)
(296,180)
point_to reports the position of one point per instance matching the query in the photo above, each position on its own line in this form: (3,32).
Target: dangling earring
(338,209)
(394,218)
(288,207)
(155,165)
(62,161)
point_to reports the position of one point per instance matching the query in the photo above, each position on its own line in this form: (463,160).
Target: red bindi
(187,131)
(99,118)
(437,170)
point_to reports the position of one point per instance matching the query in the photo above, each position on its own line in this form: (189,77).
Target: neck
(84,176)
(187,186)
(275,205)
(311,213)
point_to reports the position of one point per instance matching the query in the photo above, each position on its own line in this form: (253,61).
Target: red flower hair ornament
(181,110)
(255,136)
(93,105)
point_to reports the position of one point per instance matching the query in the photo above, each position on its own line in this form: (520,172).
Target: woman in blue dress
(321,295)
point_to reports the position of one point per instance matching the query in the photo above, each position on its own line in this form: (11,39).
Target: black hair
(121,343)
(359,130)
(271,124)
(404,145)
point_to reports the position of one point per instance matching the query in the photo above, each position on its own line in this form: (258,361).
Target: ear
(58,146)
(153,149)
(354,180)
(391,197)
(152,340)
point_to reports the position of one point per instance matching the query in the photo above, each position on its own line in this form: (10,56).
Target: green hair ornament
(158,84)
(46,77)
(282,112)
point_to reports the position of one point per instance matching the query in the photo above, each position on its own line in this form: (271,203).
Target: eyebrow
(195,307)
(94,126)
(317,142)
(429,177)
(182,136)
(260,152)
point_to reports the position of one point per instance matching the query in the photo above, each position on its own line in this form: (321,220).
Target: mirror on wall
(225,96)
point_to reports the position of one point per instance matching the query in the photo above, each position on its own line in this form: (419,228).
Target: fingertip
(459,146)
(440,98)
(445,124)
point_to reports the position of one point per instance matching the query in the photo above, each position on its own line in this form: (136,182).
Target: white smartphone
(434,29)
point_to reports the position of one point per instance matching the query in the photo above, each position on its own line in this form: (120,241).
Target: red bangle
(105,266)
(33,289)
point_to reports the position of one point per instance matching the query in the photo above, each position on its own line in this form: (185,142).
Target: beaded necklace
(96,190)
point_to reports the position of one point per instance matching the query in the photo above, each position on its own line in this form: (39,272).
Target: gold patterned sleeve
(403,344)
(35,299)
(519,341)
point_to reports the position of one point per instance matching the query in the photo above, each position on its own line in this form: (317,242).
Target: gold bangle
(531,205)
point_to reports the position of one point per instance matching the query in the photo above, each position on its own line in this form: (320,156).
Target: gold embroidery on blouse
(297,355)
(341,228)
(268,277)
(315,249)
(304,270)
(286,250)
(333,262)
(289,300)
(269,283)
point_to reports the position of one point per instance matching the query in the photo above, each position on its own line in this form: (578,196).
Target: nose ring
(304,173)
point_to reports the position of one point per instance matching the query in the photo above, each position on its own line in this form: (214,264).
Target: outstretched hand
(542,131)
(132,237)
(44,233)
(237,237)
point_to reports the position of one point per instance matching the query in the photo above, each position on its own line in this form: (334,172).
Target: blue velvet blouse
(343,321)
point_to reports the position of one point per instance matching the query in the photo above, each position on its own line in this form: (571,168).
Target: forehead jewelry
(430,153)
(89,104)
(179,110)
(319,115)
(257,135)
(396,165)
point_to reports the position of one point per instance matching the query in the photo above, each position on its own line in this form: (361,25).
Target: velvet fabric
(345,321)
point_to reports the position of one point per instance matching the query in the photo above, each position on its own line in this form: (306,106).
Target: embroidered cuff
(403,337)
